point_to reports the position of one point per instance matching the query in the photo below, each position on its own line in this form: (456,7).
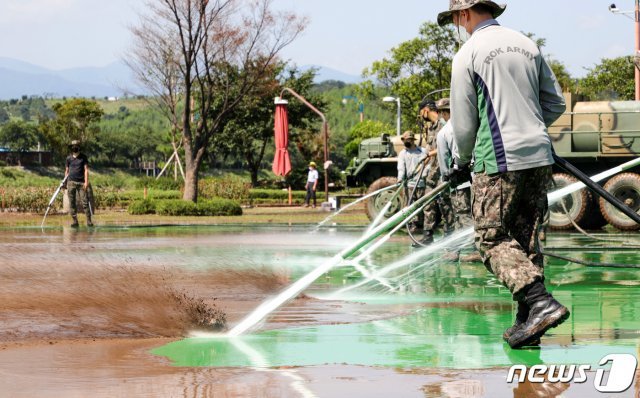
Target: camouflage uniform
(75,189)
(508,209)
(461,203)
(443,203)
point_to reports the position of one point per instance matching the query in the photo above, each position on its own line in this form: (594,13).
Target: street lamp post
(325,135)
(636,58)
(399,116)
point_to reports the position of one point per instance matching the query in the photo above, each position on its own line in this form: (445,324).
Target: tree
(202,58)
(567,83)
(4,116)
(612,79)
(128,137)
(364,130)
(76,119)
(19,136)
(415,67)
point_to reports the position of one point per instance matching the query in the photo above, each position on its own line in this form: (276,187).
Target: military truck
(594,136)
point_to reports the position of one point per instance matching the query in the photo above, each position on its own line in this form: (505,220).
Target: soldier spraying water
(503,98)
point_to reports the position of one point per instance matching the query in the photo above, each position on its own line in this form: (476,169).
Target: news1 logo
(620,376)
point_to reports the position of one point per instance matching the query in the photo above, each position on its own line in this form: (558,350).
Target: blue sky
(347,35)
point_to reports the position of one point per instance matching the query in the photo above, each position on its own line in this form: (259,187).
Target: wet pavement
(83,311)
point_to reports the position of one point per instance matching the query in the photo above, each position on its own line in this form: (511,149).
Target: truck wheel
(376,203)
(576,204)
(593,218)
(625,187)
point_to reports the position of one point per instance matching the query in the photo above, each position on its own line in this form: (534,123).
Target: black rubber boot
(75,224)
(544,313)
(89,223)
(521,318)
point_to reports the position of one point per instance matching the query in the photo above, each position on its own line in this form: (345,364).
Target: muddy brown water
(82,310)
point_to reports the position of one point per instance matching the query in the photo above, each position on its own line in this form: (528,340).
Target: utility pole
(637,54)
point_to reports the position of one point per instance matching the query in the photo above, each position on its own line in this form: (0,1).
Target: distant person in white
(312,183)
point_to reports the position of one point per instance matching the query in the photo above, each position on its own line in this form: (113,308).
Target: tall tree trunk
(254,176)
(191,182)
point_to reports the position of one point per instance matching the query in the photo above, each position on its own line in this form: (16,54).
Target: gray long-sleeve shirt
(503,97)
(408,161)
(446,148)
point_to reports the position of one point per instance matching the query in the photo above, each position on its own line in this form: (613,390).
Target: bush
(115,198)
(145,206)
(278,196)
(177,207)
(227,187)
(162,183)
(29,200)
(219,207)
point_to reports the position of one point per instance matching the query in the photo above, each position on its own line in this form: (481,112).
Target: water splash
(297,287)
(367,196)
(379,217)
(455,239)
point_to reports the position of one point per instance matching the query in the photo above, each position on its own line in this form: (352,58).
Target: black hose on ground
(596,188)
(588,263)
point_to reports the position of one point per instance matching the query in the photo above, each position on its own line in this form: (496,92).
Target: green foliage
(27,109)
(344,103)
(130,136)
(213,207)
(162,183)
(28,199)
(18,135)
(219,207)
(279,196)
(364,130)
(115,198)
(11,177)
(249,130)
(612,79)
(415,68)
(145,206)
(567,83)
(4,115)
(76,119)
(227,187)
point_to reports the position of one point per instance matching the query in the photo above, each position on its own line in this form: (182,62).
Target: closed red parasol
(281,162)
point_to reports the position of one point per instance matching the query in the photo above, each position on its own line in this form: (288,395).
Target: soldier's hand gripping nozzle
(457,175)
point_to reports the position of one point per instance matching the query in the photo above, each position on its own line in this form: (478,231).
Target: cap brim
(445,18)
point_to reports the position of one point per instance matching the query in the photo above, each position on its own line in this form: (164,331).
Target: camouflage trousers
(461,203)
(508,209)
(75,189)
(441,206)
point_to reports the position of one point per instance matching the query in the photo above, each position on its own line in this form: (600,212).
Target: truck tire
(576,204)
(593,219)
(626,187)
(376,203)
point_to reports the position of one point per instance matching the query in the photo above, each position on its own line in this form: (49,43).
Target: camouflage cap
(445,17)
(408,135)
(443,104)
